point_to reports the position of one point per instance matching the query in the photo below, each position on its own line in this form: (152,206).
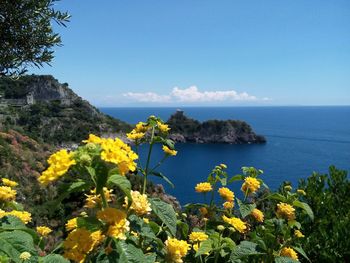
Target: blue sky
(206,53)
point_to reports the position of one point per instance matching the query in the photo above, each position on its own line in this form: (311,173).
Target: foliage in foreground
(328,236)
(122,225)
(26,34)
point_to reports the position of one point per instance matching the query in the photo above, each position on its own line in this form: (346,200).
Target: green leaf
(302,252)
(131,254)
(166,179)
(54,258)
(244,249)
(122,182)
(285,260)
(277,196)
(205,247)
(13,243)
(245,209)
(90,223)
(237,177)
(165,212)
(10,223)
(305,207)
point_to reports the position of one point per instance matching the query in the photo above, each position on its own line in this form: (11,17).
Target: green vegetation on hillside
(114,220)
(58,115)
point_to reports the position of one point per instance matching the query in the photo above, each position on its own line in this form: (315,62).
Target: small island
(185,129)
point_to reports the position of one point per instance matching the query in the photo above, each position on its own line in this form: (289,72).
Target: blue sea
(300,140)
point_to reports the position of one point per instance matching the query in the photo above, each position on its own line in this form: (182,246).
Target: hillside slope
(45,109)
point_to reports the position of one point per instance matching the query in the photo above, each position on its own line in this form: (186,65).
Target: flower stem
(147,163)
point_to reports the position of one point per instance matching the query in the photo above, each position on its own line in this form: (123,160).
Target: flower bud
(220,228)
(288,188)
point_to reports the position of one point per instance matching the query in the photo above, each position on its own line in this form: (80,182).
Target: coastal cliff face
(184,129)
(50,111)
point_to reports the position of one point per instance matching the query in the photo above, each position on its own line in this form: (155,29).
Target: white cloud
(147,97)
(192,95)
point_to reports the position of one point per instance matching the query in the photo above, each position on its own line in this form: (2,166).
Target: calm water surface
(300,140)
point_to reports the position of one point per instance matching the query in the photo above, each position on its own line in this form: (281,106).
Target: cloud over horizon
(191,95)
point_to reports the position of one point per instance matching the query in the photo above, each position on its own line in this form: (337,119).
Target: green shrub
(328,237)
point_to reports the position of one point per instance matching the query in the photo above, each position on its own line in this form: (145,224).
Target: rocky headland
(185,129)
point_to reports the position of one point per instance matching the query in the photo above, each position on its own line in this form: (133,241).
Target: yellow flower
(250,185)
(8,182)
(119,153)
(97,238)
(228,205)
(25,256)
(258,215)
(24,216)
(301,192)
(79,243)
(223,166)
(168,151)
(176,249)
(198,236)
(43,230)
(111,215)
(289,252)
(203,211)
(237,223)
(203,187)
(146,220)
(94,200)
(72,224)
(139,204)
(163,127)
(93,139)
(133,135)
(59,162)
(141,127)
(285,211)
(298,233)
(226,194)
(7,193)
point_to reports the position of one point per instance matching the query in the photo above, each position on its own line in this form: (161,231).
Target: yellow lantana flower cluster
(289,252)
(169,151)
(250,185)
(43,230)
(198,236)
(237,223)
(7,194)
(203,187)
(59,162)
(164,128)
(285,211)
(92,200)
(258,215)
(226,194)
(298,234)
(80,242)
(228,205)
(139,204)
(72,224)
(119,153)
(116,219)
(176,249)
(24,216)
(8,182)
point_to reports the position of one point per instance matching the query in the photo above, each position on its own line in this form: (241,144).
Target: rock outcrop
(184,129)
(50,111)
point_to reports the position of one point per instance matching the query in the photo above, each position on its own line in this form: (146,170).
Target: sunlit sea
(300,140)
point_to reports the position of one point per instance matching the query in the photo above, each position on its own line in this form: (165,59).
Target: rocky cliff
(48,110)
(184,129)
